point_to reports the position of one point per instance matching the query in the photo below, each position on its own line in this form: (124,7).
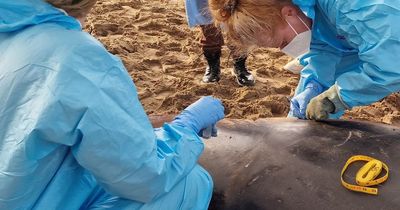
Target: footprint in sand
(158,10)
(176,32)
(151,26)
(263,72)
(175,21)
(135,4)
(152,64)
(105,29)
(279,108)
(284,90)
(173,46)
(170,60)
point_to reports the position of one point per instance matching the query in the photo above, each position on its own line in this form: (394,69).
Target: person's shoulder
(69,47)
(366,10)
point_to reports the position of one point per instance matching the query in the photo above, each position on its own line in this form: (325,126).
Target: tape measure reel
(367,174)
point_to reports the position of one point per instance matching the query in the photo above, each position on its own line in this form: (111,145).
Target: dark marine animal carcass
(296,164)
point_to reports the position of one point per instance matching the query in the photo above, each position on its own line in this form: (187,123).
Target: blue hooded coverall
(355,45)
(73,134)
(197,13)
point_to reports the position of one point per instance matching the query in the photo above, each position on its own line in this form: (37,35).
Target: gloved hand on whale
(201,116)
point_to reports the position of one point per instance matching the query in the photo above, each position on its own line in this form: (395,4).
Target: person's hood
(307,6)
(18,14)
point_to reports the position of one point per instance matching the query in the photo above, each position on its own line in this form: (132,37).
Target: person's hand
(208,132)
(324,104)
(201,116)
(298,104)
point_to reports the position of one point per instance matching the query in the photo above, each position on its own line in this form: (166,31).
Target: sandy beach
(163,56)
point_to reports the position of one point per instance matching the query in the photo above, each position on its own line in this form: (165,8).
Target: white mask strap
(294,29)
(291,27)
(304,23)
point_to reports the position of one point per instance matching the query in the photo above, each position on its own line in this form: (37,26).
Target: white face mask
(300,44)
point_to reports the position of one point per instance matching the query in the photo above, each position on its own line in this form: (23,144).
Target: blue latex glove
(201,116)
(298,104)
(208,132)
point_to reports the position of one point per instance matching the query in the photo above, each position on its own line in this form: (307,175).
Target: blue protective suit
(355,45)
(197,13)
(73,134)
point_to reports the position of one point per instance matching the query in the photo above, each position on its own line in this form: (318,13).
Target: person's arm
(375,30)
(317,75)
(375,74)
(319,65)
(95,101)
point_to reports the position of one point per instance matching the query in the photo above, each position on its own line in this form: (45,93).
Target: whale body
(296,164)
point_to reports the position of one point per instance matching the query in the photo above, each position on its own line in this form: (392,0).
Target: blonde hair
(242,19)
(75,8)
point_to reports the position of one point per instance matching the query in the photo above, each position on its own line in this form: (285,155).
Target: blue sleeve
(112,136)
(373,27)
(319,65)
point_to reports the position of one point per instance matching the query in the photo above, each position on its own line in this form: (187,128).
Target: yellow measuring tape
(366,175)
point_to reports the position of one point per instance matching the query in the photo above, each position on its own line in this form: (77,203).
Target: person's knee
(205,179)
(192,193)
(212,39)
(199,188)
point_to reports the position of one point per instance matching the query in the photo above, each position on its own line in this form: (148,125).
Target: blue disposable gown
(197,13)
(73,133)
(355,45)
